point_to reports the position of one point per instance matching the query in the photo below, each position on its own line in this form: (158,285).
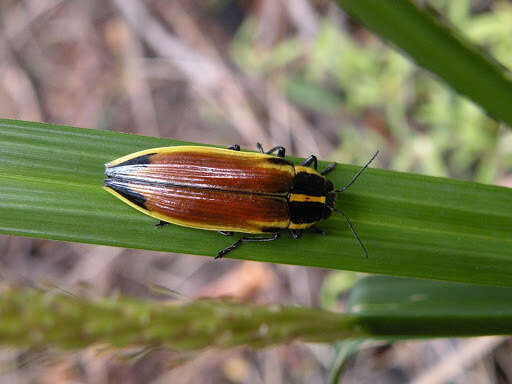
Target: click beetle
(227,190)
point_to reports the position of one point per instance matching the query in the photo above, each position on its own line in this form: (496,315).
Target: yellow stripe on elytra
(204,150)
(297,197)
(300,226)
(133,205)
(282,224)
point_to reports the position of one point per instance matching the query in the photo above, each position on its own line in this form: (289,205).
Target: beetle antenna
(358,174)
(365,252)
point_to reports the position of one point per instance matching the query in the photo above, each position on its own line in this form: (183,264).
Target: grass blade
(398,307)
(51,181)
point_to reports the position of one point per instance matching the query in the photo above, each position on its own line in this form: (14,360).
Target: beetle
(228,190)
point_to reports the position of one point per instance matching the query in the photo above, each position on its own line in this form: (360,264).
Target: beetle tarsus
(311,160)
(328,169)
(296,233)
(239,242)
(226,233)
(234,147)
(318,230)
(161,223)
(279,149)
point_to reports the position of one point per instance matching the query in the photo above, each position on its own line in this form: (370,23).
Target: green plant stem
(378,308)
(33,318)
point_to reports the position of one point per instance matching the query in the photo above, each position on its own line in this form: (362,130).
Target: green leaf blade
(412,225)
(398,307)
(440,49)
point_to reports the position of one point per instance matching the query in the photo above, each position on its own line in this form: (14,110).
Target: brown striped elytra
(226,190)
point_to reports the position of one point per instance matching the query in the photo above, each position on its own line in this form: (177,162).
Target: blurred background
(297,73)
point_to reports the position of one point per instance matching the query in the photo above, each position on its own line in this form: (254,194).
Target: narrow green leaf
(440,49)
(399,307)
(51,181)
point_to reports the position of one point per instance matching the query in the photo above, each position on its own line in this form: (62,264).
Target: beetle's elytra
(226,190)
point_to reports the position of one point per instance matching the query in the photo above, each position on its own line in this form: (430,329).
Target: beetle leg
(226,233)
(318,230)
(161,223)
(296,233)
(279,149)
(328,169)
(234,147)
(239,242)
(311,160)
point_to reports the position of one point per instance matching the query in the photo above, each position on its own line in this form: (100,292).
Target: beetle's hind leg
(280,151)
(234,147)
(161,223)
(239,242)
